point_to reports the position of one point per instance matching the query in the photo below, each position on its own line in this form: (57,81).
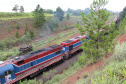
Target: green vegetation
(17,34)
(100,41)
(31,33)
(9,15)
(7,43)
(59,13)
(122,26)
(68,16)
(122,14)
(17,26)
(112,73)
(39,17)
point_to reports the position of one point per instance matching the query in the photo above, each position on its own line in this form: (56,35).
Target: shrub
(25,32)
(31,33)
(17,34)
(11,26)
(26,27)
(2,45)
(82,59)
(17,26)
(9,29)
(51,24)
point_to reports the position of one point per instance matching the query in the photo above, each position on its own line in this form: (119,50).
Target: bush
(31,33)
(119,53)
(26,27)
(51,24)
(82,59)
(2,45)
(17,34)
(17,26)
(9,29)
(25,32)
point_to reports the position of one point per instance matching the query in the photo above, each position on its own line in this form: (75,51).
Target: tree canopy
(122,14)
(15,8)
(101,34)
(59,13)
(21,9)
(39,17)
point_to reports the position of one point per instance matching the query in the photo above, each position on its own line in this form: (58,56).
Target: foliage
(39,17)
(122,26)
(68,16)
(31,33)
(48,11)
(9,29)
(51,24)
(26,27)
(17,26)
(21,9)
(122,14)
(78,11)
(101,35)
(31,82)
(59,13)
(25,32)
(15,8)
(82,59)
(112,72)
(17,34)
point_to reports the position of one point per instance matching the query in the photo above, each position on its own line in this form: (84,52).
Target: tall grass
(112,73)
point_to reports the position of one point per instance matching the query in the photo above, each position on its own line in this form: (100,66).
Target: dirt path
(92,67)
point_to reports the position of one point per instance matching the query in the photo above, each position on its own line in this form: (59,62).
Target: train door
(7,76)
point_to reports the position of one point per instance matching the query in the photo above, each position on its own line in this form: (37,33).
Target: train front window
(7,72)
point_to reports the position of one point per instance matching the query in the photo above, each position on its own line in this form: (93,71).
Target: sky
(30,5)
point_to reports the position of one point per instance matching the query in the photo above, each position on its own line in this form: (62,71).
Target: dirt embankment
(8,27)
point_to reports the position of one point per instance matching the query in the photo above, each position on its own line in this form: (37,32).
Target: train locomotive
(13,70)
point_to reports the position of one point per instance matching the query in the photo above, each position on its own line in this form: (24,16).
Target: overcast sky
(30,5)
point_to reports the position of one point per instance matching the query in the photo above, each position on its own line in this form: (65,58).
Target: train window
(71,47)
(20,62)
(2,76)
(58,52)
(5,73)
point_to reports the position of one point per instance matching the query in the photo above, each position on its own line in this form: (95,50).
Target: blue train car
(7,73)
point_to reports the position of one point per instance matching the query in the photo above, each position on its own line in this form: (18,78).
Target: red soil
(91,67)
(122,38)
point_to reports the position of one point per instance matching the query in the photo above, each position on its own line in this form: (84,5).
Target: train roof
(36,52)
(73,39)
(3,63)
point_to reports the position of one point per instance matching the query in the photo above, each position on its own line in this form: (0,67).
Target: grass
(114,71)
(9,15)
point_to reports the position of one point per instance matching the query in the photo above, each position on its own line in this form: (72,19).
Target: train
(30,64)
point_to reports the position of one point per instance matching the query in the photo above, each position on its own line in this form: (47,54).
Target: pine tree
(39,17)
(101,35)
